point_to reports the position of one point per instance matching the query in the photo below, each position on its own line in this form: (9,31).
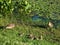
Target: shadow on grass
(2,27)
(41,26)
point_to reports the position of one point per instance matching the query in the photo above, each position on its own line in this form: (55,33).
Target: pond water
(39,20)
(36,17)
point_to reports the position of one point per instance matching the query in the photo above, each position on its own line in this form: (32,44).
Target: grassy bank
(20,13)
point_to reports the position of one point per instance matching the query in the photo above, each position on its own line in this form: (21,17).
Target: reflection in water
(36,17)
(56,23)
(38,20)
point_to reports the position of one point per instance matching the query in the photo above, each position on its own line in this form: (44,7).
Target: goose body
(10,26)
(50,24)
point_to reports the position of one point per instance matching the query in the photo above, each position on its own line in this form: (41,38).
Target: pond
(39,20)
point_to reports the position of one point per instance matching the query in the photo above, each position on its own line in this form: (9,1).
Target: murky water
(38,20)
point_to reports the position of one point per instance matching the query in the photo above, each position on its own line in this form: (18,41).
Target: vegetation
(20,13)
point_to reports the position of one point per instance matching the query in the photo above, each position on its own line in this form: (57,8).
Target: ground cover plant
(31,20)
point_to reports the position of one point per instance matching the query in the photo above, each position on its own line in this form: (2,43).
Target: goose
(50,24)
(10,26)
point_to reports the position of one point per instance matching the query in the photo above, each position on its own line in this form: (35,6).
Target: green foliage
(11,37)
(12,11)
(24,7)
(6,7)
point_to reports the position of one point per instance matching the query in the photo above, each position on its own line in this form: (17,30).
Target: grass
(18,35)
(13,36)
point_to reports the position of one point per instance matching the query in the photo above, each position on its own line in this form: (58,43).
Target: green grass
(12,37)
(18,35)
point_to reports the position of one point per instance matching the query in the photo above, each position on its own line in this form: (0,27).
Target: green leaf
(0,0)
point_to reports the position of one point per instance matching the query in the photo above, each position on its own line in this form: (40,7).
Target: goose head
(50,24)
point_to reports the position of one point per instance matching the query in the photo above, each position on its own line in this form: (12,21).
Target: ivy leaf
(0,0)
(27,7)
(9,1)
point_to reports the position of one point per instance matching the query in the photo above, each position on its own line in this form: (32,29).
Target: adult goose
(10,26)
